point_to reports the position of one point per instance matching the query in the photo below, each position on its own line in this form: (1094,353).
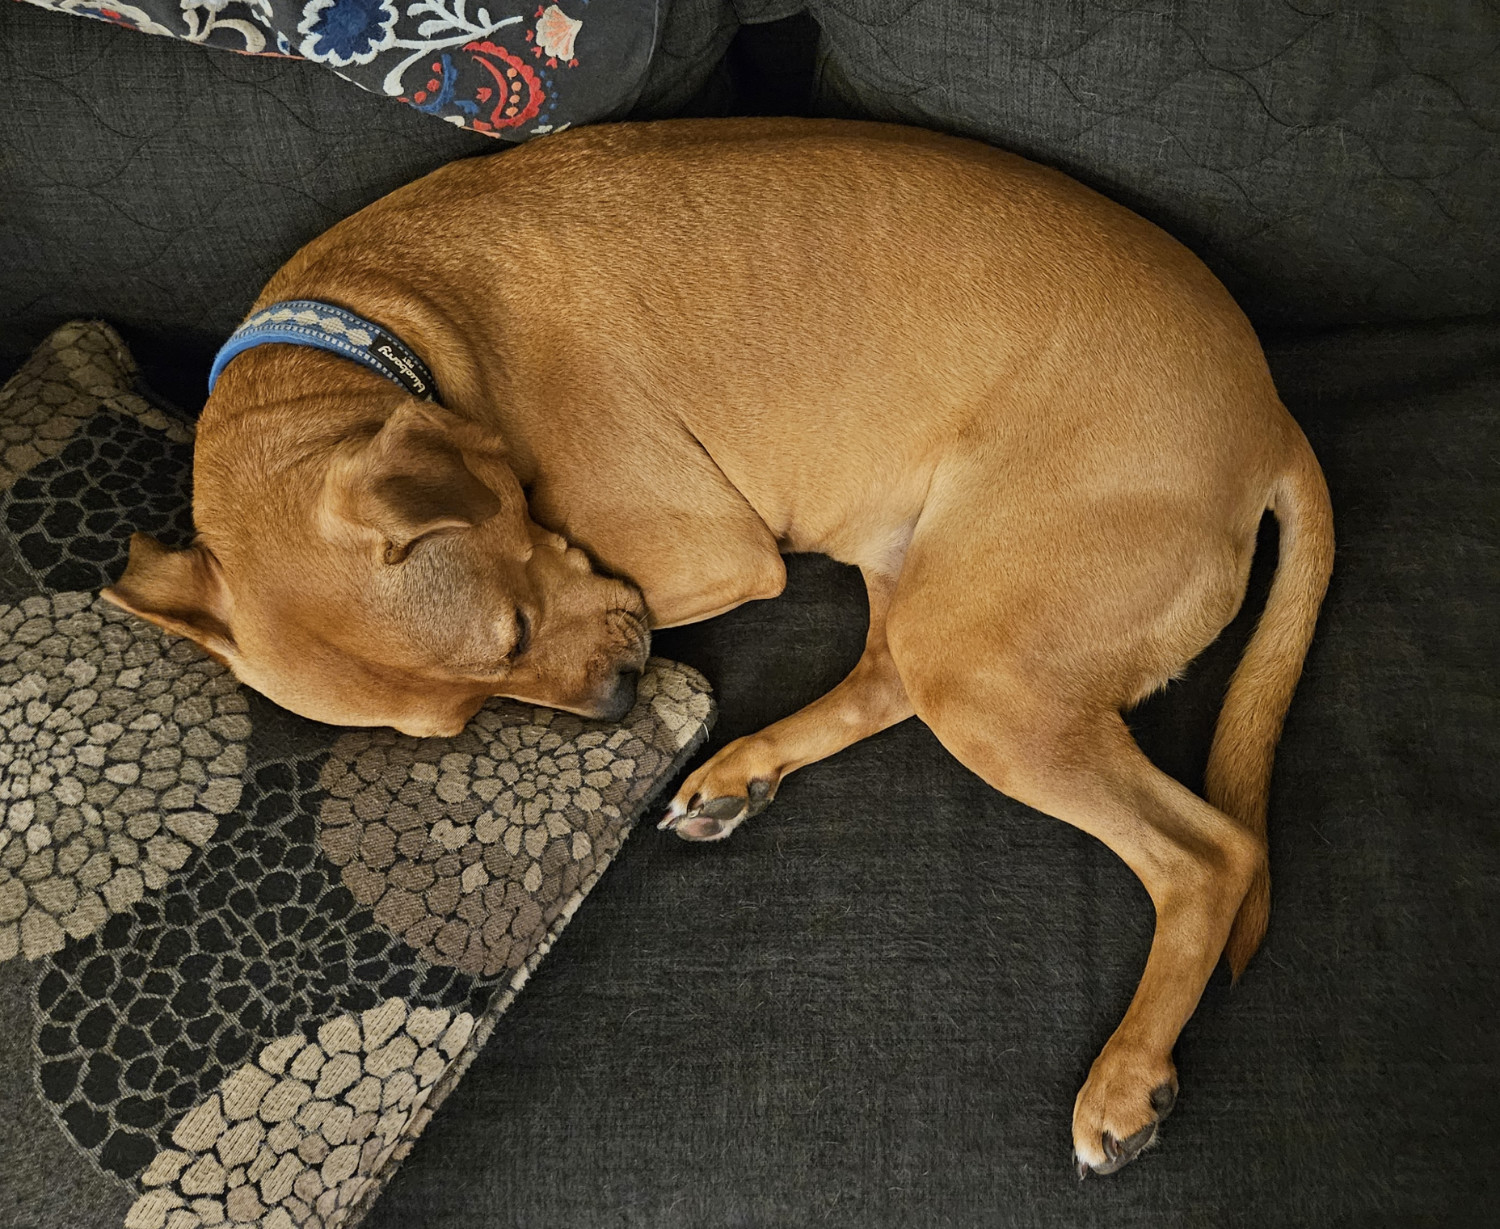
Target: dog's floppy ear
(410,479)
(182,591)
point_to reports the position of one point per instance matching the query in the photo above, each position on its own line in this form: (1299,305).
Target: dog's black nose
(621,698)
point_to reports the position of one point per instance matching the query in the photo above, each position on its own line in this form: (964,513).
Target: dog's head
(389,577)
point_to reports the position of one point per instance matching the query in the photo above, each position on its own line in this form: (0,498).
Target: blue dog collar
(307,322)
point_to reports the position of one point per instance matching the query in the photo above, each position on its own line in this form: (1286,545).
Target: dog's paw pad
(703,828)
(708,821)
(725,808)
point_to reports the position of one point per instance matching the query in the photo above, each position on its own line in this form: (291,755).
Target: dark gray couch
(873,1006)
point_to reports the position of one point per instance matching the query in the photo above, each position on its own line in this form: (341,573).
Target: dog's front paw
(1118,1111)
(722,794)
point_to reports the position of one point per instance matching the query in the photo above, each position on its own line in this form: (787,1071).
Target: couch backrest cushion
(1333,163)
(1331,167)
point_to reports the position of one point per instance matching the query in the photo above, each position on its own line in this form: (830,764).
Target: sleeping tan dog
(665,355)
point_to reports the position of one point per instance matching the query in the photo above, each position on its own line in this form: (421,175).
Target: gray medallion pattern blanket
(506,68)
(244,956)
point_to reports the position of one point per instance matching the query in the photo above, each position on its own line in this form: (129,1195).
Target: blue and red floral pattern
(513,99)
(494,66)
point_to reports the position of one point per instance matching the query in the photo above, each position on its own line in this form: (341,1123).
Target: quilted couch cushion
(1332,163)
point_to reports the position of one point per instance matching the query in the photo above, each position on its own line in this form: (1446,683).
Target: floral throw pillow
(244,956)
(506,68)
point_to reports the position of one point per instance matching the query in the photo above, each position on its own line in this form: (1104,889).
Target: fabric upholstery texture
(256,952)
(1332,163)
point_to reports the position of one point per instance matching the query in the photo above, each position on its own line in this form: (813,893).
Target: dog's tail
(1239,764)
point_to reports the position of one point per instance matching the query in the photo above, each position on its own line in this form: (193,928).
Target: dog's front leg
(743,777)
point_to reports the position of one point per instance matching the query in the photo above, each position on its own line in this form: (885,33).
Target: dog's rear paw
(721,795)
(1113,1126)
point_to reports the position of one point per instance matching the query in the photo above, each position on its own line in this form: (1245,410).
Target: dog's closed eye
(523,636)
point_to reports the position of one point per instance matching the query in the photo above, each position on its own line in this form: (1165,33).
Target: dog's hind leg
(742,778)
(1018,643)
(1196,864)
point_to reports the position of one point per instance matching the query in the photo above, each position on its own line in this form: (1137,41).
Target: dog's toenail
(1082,1167)
(723,808)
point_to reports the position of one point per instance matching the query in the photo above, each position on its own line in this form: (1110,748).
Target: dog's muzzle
(634,634)
(621,698)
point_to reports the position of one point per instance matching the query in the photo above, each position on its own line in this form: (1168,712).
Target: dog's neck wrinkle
(282,379)
(404,308)
(288,406)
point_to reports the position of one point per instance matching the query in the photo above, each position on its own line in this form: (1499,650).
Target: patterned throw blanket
(502,67)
